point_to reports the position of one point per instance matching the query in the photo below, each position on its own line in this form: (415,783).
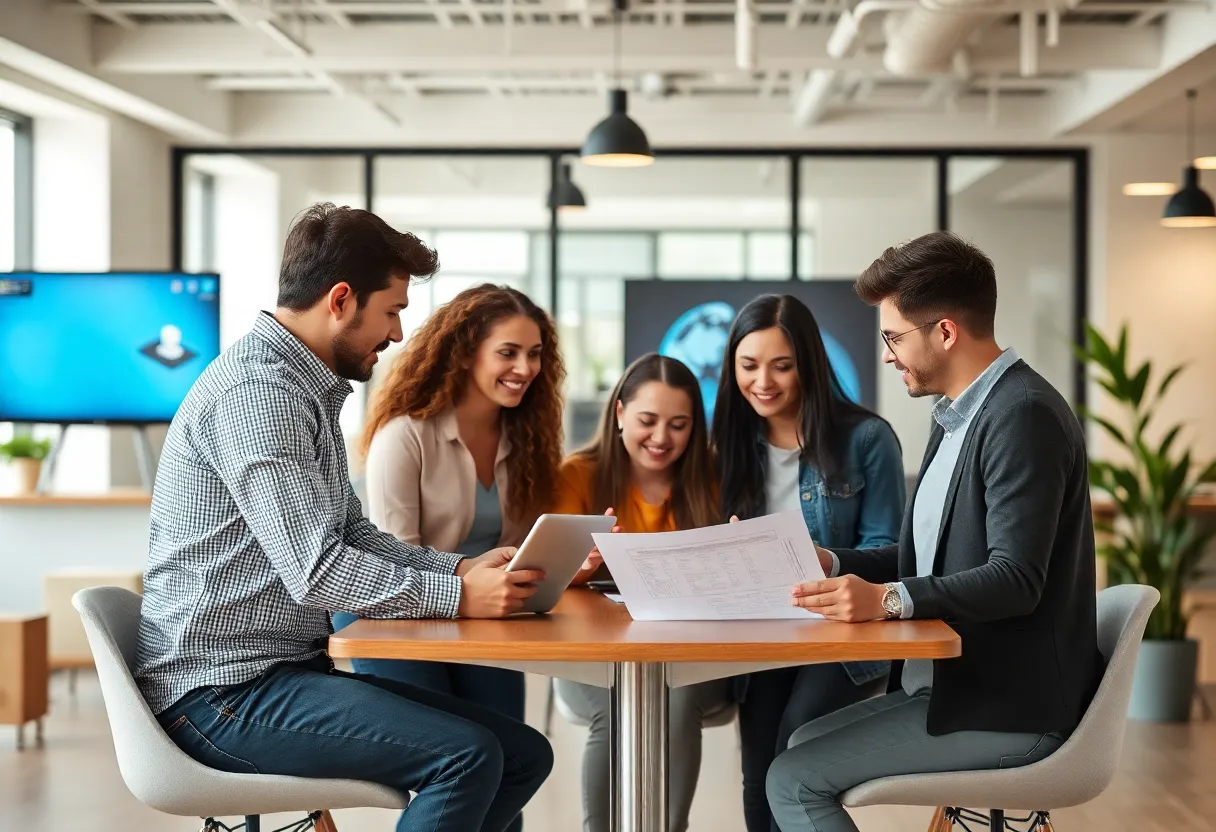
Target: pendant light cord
(616,43)
(1190,126)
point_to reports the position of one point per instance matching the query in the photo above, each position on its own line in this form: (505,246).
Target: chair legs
(939,823)
(548,729)
(322,821)
(945,817)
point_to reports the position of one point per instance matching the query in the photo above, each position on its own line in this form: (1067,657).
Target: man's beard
(924,382)
(351,362)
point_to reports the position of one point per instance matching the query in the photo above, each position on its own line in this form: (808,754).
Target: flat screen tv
(108,348)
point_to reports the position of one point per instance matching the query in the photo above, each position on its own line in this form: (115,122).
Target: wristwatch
(892,601)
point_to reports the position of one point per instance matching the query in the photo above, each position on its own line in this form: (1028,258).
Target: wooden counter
(131,497)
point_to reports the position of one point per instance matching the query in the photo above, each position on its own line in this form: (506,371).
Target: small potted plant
(25,454)
(1152,539)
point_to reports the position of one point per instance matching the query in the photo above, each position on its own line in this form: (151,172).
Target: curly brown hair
(428,377)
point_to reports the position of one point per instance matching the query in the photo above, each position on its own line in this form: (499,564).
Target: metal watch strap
(895,609)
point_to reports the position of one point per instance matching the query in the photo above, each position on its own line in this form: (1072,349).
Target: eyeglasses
(890,340)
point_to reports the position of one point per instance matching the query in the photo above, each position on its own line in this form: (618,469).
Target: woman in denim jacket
(785,436)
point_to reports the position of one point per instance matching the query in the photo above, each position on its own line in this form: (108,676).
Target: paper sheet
(739,570)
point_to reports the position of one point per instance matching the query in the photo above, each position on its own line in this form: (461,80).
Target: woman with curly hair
(463,442)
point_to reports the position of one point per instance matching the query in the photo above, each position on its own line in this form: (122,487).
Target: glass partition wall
(695,215)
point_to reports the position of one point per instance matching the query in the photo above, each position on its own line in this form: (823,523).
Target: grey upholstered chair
(160,774)
(1076,773)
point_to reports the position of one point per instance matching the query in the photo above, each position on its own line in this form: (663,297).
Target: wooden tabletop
(587,627)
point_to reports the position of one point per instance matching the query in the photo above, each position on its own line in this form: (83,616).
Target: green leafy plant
(1152,539)
(25,447)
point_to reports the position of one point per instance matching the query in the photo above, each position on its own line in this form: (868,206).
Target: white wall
(1032,251)
(140,219)
(139,212)
(1162,281)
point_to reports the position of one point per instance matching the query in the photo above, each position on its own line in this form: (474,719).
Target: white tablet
(558,544)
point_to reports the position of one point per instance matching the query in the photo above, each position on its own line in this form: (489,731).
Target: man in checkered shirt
(257,536)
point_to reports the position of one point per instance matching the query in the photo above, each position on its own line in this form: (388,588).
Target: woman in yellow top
(650,464)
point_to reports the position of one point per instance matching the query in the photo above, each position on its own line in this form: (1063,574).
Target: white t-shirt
(781,486)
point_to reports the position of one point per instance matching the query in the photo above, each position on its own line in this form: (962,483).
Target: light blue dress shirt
(955,419)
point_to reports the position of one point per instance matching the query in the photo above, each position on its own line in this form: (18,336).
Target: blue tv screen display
(114,347)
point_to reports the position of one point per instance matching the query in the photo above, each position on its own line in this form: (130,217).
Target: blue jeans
(473,769)
(491,687)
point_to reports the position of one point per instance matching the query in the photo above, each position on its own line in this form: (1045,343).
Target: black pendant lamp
(1190,206)
(617,141)
(566,196)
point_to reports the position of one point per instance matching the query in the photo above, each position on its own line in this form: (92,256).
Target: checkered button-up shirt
(256,533)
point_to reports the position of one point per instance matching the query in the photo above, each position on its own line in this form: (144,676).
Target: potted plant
(26,453)
(1152,539)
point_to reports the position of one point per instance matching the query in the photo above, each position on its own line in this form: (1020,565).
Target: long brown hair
(428,377)
(694,500)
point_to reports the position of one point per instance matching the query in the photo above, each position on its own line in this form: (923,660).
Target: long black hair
(826,414)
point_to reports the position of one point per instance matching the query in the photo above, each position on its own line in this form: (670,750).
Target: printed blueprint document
(739,570)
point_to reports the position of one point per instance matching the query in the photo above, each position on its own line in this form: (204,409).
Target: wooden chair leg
(939,823)
(1044,824)
(326,823)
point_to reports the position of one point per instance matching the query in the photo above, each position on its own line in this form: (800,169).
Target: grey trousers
(879,738)
(687,707)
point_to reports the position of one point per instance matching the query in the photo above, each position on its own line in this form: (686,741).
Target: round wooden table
(591,639)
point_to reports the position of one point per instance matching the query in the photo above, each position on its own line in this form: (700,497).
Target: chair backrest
(1091,754)
(152,766)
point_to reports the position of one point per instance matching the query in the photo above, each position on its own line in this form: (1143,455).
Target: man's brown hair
(935,276)
(329,245)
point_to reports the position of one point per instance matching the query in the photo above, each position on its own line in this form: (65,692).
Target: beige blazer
(421,483)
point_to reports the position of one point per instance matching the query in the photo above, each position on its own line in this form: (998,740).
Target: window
(697,256)
(16,205)
(199,253)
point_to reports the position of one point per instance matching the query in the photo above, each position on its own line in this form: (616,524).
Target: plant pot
(28,471)
(1163,688)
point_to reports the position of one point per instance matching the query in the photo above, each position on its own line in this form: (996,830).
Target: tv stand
(144,457)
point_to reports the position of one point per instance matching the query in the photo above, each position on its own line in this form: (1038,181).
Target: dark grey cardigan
(1014,569)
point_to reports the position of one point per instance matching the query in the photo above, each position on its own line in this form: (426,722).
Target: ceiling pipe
(924,40)
(1028,54)
(745,35)
(843,40)
(924,35)
(814,96)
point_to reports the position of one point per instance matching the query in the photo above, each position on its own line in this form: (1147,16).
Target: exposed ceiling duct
(921,40)
(924,36)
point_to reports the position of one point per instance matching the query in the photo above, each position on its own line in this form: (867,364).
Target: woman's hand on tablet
(594,560)
(487,590)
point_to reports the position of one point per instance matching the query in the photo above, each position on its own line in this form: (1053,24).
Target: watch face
(890,601)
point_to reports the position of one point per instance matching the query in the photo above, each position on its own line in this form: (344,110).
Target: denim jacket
(861,508)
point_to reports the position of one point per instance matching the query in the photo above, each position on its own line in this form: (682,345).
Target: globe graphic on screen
(698,338)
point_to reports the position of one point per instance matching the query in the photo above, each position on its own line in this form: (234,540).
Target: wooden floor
(1166,782)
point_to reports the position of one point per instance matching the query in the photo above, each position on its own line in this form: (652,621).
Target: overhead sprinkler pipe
(745,35)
